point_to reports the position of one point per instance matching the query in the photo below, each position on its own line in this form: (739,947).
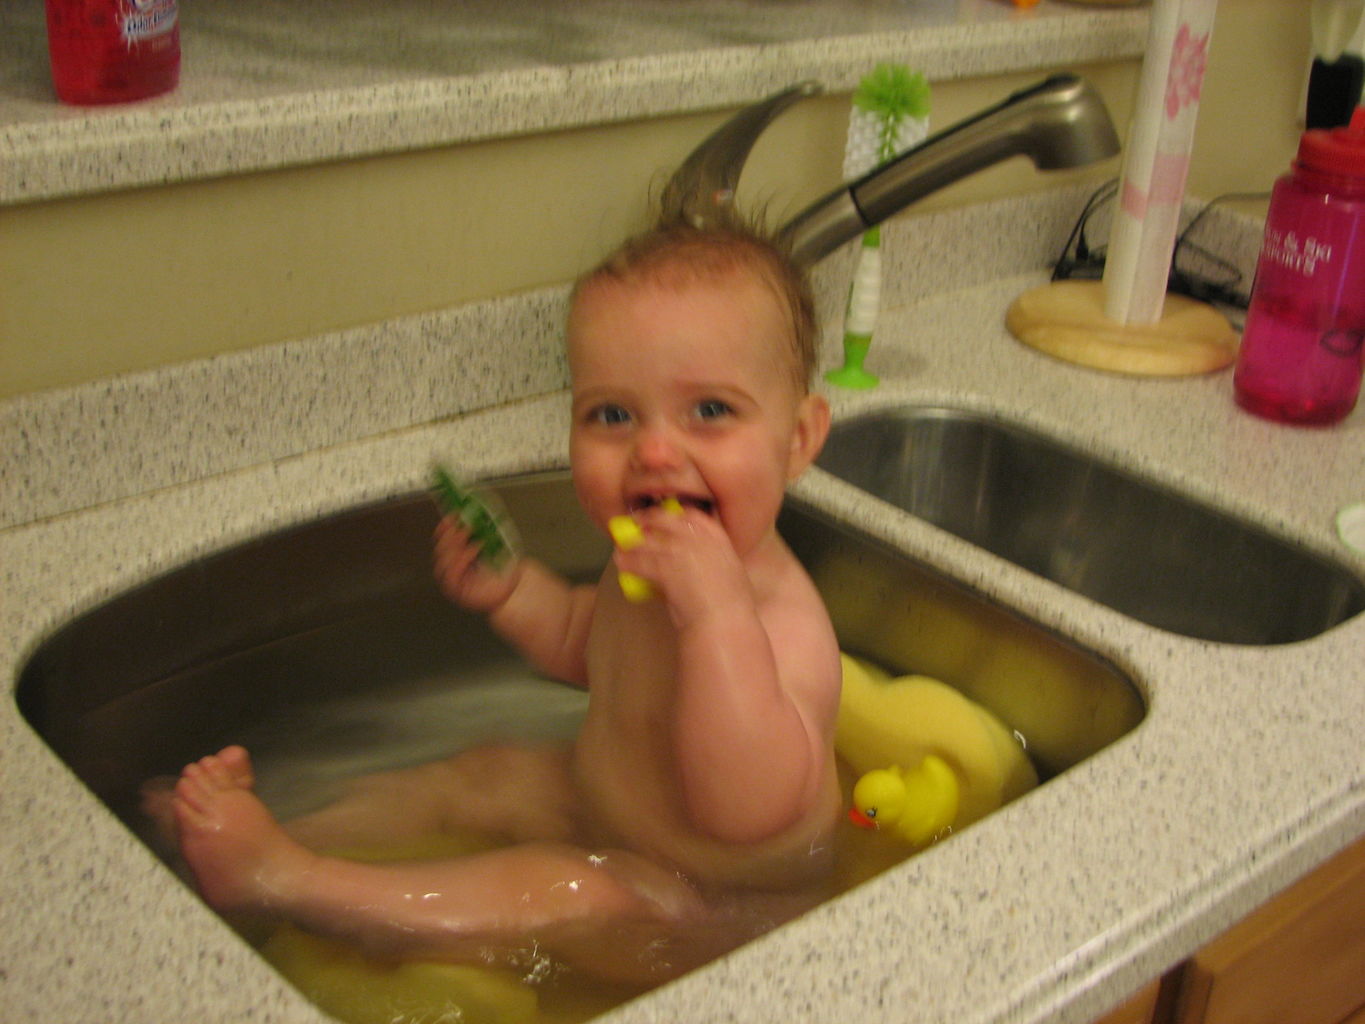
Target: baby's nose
(656,448)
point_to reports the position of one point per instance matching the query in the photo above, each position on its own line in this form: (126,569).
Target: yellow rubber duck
(919,721)
(919,805)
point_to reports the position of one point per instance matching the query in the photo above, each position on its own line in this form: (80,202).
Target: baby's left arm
(757,684)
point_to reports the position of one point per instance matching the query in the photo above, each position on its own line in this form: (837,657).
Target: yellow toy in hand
(626,534)
(918,805)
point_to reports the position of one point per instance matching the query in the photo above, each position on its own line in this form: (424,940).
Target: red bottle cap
(1336,150)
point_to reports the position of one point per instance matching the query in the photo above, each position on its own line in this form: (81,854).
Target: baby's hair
(677,250)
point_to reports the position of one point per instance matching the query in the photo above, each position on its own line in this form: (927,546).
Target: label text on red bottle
(143,19)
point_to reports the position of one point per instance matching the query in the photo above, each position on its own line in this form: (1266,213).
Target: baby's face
(685,390)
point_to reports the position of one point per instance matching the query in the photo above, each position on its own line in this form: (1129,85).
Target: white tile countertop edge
(258,92)
(1246,772)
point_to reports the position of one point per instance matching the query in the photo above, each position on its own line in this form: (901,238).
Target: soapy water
(403,684)
(306,753)
(304,756)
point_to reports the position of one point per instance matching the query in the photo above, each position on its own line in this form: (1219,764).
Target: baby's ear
(808,436)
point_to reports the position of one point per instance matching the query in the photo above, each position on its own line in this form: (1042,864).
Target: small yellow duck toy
(919,805)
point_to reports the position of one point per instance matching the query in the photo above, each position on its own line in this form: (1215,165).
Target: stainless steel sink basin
(1130,544)
(329,652)
(327,646)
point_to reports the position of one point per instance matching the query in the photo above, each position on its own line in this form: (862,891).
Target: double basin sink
(325,644)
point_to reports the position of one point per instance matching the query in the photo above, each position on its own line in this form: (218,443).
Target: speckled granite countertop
(270,83)
(1245,774)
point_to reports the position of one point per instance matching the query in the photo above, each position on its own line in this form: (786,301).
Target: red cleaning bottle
(1304,343)
(112,51)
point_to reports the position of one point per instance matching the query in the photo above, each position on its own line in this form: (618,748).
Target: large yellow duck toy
(962,761)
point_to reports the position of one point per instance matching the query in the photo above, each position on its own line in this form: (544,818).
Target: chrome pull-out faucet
(1060,122)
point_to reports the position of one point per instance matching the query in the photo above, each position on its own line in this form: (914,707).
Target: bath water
(305,755)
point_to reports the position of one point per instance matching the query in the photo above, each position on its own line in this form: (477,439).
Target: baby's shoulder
(799,624)
(789,584)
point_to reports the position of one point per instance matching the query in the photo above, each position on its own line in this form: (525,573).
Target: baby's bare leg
(508,792)
(545,894)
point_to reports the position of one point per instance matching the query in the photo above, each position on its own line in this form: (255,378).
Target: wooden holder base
(1066,319)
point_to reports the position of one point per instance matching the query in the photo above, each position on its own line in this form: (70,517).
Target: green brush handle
(851,374)
(864,296)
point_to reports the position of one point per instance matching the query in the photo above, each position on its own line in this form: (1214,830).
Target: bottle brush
(890,114)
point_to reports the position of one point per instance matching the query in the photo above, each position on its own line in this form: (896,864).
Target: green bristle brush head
(488,525)
(890,114)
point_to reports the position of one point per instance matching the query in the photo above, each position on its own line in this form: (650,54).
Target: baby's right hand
(463,576)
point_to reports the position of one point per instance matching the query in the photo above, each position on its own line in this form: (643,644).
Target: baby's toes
(192,792)
(237,762)
(214,773)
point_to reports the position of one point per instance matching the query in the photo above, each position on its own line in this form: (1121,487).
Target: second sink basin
(1134,546)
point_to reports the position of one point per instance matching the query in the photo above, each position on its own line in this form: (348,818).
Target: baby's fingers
(451,557)
(452,544)
(460,573)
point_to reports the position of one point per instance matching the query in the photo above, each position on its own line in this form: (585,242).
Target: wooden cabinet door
(1299,959)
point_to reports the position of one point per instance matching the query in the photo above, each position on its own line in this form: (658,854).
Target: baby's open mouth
(641,502)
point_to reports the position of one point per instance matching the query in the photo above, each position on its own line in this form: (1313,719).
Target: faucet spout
(707,179)
(1060,122)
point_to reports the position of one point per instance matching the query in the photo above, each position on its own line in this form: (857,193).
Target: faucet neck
(704,185)
(1060,122)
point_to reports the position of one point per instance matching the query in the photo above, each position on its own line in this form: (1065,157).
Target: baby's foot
(156,797)
(240,856)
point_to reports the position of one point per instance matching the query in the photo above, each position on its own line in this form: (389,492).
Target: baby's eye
(610,415)
(713,409)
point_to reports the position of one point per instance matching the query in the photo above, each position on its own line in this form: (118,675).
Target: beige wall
(1251,112)
(95,286)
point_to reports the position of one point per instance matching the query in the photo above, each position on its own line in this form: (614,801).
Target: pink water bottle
(1304,343)
(112,51)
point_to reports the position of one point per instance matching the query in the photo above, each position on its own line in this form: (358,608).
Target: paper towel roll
(1156,160)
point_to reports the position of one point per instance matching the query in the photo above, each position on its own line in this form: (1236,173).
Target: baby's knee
(660,892)
(495,767)
(525,793)
(486,767)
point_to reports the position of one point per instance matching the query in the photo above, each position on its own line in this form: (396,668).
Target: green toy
(489,526)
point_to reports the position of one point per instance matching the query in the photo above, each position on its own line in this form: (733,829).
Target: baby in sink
(698,803)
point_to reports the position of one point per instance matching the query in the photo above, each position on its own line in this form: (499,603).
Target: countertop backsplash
(69,448)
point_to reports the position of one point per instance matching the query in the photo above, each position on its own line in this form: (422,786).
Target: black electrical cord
(1218,281)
